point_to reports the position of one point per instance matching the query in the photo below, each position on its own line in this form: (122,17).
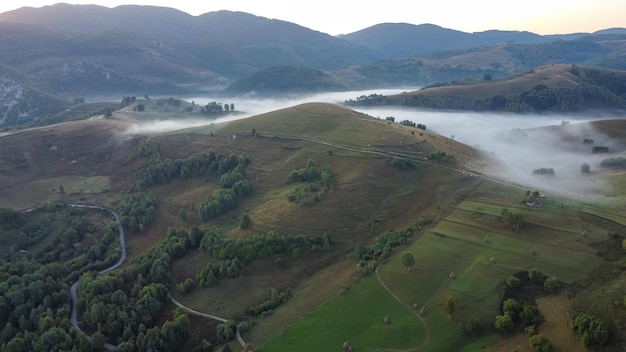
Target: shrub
(538,343)
(592,331)
(551,285)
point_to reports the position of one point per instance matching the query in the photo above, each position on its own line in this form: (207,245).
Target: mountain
(88,49)
(23,101)
(400,40)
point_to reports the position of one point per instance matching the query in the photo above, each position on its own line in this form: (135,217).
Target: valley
(448,213)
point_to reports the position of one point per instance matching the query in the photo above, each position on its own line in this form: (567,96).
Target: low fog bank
(521,143)
(524,143)
(250,106)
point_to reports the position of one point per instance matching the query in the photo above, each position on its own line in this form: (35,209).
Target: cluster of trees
(544,171)
(368,257)
(162,171)
(368,100)
(512,220)
(35,307)
(216,108)
(517,312)
(413,124)
(234,253)
(441,156)
(275,299)
(169,101)
(234,185)
(539,98)
(127,100)
(310,173)
(213,272)
(260,246)
(402,163)
(138,211)
(591,330)
(125,306)
(601,86)
(614,163)
(10,219)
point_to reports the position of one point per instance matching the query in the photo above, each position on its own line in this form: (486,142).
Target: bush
(592,331)
(539,343)
(513,282)
(551,285)
(536,276)
(504,323)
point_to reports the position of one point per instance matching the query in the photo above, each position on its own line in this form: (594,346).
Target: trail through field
(208,316)
(417,314)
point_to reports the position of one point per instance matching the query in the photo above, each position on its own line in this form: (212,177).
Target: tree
(408,261)
(538,343)
(536,276)
(592,331)
(246,222)
(141,107)
(487,77)
(551,285)
(513,282)
(504,323)
(584,168)
(511,308)
(529,315)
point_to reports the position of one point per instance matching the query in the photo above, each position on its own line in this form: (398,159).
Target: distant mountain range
(90,51)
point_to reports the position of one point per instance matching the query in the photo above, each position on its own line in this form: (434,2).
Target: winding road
(74,287)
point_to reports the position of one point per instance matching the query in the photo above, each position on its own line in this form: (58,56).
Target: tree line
(162,171)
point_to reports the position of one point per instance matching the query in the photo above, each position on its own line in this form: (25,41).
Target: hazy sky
(346,16)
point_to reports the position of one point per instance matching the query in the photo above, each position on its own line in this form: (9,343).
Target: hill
(564,88)
(323,196)
(284,80)
(403,40)
(90,49)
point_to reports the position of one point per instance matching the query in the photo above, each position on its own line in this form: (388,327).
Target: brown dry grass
(557,326)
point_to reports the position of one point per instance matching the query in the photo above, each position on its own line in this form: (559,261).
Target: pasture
(353,317)
(473,243)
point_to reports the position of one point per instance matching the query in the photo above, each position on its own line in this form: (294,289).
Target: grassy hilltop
(345,195)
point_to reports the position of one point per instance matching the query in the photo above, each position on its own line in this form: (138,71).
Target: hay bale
(452,275)
(423,311)
(386,320)
(486,239)
(533,251)
(346,344)
(492,260)
(415,305)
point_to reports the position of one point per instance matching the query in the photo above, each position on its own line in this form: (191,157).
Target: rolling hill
(383,180)
(96,50)
(554,88)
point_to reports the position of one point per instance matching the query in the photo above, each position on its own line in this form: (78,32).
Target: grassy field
(368,198)
(353,318)
(457,245)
